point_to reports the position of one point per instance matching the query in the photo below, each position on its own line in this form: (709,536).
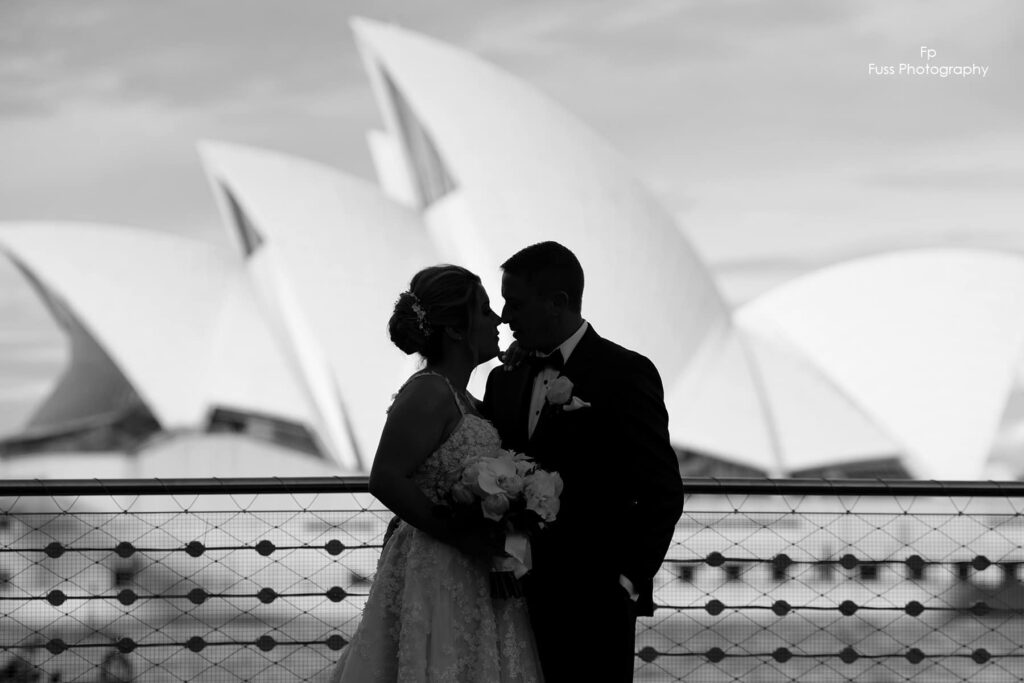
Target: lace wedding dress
(430,616)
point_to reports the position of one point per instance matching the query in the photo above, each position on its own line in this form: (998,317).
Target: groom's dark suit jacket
(623,493)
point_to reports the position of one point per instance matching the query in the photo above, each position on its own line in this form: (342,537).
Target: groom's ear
(559,299)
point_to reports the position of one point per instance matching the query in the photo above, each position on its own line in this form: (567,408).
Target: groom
(604,428)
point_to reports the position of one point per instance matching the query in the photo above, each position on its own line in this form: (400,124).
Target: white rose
(494,506)
(542,492)
(560,390)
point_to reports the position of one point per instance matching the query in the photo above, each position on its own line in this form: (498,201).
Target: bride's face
(483,332)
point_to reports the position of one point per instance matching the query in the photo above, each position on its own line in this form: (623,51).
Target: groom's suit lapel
(517,401)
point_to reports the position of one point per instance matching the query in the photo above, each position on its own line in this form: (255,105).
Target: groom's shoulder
(497,373)
(618,355)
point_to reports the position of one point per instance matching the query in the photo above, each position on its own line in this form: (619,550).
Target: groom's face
(530,314)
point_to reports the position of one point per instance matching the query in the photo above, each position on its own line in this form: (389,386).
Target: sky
(761,125)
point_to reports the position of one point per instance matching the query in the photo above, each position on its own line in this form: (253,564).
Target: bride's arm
(419,421)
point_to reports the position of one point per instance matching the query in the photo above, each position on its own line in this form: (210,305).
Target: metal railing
(265,579)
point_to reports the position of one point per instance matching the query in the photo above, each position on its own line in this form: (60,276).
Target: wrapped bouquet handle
(508,569)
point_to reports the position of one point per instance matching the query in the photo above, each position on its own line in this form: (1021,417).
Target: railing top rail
(360,484)
(169,487)
(855,487)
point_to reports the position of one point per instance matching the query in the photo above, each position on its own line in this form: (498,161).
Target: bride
(429,616)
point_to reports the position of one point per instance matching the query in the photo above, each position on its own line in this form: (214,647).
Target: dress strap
(424,373)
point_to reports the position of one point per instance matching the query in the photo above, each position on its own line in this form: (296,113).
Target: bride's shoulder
(423,392)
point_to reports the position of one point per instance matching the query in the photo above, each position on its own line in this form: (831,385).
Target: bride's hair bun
(438,297)
(408,327)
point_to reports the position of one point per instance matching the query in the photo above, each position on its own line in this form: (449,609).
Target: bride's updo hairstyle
(438,297)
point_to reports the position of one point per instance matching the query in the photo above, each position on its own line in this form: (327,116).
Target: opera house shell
(909,354)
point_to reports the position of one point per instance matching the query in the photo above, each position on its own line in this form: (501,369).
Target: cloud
(726,107)
(180,54)
(950,179)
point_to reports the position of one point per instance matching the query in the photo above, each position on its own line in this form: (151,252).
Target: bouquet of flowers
(512,492)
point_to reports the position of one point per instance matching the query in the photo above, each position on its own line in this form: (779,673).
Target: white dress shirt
(547,375)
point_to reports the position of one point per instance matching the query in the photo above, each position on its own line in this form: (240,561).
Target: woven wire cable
(265,581)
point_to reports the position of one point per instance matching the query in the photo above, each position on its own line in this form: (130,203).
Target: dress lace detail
(430,617)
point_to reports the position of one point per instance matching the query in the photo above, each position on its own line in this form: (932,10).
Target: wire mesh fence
(264,580)
(837,581)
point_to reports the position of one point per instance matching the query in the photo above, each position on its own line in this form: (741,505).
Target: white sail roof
(815,424)
(333,254)
(156,304)
(923,342)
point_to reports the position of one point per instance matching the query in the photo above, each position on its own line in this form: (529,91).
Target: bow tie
(553,360)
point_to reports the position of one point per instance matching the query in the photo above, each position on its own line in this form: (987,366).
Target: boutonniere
(560,394)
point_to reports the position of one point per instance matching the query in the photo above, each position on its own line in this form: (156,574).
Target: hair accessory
(421,314)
